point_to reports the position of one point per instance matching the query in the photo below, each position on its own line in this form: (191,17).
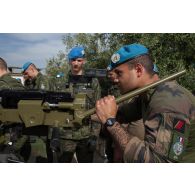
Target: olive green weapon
(59,109)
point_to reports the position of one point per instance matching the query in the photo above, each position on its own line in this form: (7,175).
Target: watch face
(110,121)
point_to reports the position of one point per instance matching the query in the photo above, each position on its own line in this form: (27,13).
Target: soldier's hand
(106,108)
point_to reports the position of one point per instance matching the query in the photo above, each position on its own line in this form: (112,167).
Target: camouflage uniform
(40,82)
(7,82)
(18,141)
(168,113)
(82,140)
(28,84)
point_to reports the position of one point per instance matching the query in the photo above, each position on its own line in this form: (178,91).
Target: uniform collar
(6,75)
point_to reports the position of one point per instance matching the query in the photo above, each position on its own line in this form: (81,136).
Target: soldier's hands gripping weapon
(59,109)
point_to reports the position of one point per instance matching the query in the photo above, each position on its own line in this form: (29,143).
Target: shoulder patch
(177,147)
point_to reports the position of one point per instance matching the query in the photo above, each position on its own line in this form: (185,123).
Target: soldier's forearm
(95,118)
(119,135)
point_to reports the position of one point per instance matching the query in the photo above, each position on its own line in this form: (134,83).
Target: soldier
(167,110)
(81,141)
(36,81)
(6,81)
(11,139)
(135,127)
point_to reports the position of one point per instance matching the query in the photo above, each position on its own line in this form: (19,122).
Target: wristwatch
(110,122)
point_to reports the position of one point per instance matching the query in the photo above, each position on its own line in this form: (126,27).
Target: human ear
(139,69)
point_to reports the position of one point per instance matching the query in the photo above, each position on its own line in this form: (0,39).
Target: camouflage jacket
(40,82)
(7,82)
(168,113)
(93,92)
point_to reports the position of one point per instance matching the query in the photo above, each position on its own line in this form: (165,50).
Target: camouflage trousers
(67,143)
(12,151)
(13,141)
(84,150)
(38,152)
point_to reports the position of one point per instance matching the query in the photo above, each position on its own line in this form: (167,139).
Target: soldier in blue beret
(76,59)
(80,141)
(168,111)
(76,52)
(35,80)
(38,80)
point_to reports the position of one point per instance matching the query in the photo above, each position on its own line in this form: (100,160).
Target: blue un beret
(76,52)
(125,53)
(26,65)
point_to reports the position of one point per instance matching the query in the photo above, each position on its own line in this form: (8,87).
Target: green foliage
(56,65)
(171,52)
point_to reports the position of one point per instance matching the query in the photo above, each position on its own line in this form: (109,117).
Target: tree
(171,52)
(56,65)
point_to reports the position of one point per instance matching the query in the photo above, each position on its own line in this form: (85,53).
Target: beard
(121,89)
(125,89)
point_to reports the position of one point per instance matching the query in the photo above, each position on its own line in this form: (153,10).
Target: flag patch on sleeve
(179,125)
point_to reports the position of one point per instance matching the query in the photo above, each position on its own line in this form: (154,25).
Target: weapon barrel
(137,92)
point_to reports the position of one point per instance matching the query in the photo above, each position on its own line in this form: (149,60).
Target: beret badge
(115,58)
